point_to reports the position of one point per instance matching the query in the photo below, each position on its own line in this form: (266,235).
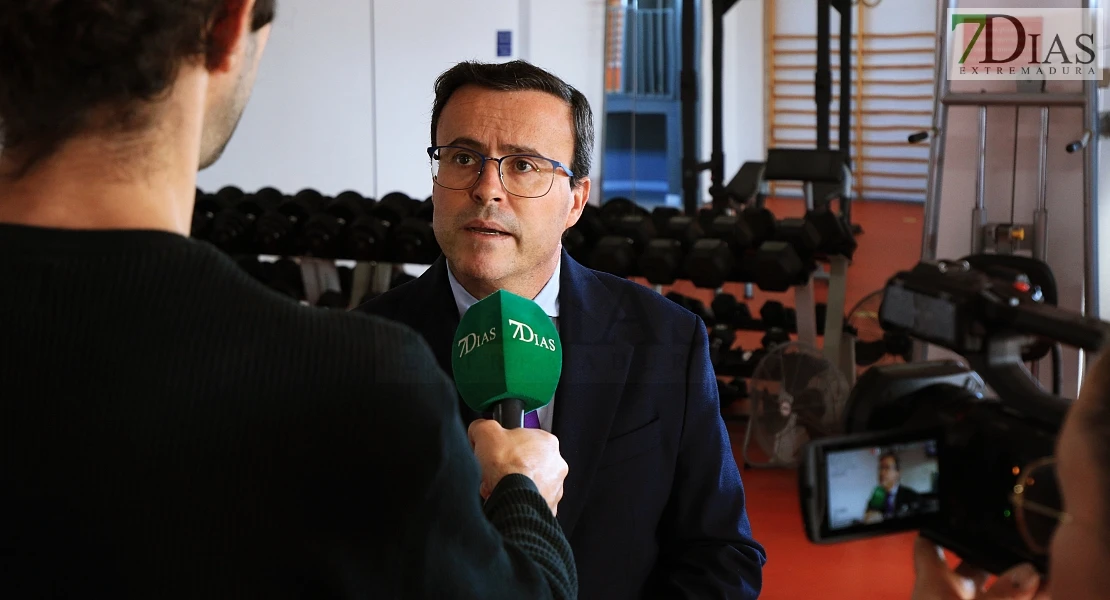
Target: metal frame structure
(945,98)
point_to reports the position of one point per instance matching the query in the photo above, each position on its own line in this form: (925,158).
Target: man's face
(888,473)
(229,93)
(497,123)
(1080,551)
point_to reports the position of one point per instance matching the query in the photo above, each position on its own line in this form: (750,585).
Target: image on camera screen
(867,486)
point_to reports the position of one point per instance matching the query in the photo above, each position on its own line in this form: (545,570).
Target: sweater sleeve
(511,547)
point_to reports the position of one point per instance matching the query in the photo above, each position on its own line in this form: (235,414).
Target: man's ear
(227,32)
(580,196)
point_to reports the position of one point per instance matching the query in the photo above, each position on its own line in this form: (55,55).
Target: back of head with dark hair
(65,59)
(519,75)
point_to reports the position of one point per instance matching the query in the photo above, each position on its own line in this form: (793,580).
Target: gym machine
(1016,238)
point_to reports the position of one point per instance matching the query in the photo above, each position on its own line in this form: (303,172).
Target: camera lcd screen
(880,484)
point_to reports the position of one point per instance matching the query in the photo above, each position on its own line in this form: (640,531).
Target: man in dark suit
(891,499)
(653,504)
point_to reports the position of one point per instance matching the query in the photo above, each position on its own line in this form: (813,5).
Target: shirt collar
(547,299)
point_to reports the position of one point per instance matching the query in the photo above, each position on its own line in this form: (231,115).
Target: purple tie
(532,420)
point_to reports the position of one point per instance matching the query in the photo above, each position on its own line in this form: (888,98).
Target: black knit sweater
(170,428)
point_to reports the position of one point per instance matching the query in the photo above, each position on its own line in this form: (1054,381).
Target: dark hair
(518,75)
(891,454)
(64,59)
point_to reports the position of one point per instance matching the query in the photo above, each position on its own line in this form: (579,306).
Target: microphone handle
(509,413)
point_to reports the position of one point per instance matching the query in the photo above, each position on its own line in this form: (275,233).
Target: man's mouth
(486,231)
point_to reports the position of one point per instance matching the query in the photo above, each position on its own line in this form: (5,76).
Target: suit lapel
(595,367)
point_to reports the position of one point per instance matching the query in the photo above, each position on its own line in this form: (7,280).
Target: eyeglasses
(528,176)
(1036,499)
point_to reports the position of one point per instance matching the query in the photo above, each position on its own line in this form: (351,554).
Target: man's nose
(489,187)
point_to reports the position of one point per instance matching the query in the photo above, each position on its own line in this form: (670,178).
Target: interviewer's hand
(530,452)
(935,581)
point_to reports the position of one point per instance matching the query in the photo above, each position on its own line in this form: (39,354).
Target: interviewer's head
(505,232)
(117,73)
(1080,548)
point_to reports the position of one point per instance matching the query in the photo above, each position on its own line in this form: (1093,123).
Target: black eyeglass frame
(555,165)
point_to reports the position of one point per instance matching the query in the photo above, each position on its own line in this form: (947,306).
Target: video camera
(926,446)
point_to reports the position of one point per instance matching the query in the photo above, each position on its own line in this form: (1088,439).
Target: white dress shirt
(547,299)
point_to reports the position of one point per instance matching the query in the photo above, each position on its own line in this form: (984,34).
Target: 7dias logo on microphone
(1024,44)
(528,335)
(472,341)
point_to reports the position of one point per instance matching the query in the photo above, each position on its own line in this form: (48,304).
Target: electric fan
(795,395)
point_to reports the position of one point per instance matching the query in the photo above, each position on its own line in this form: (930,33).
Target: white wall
(309,122)
(344,94)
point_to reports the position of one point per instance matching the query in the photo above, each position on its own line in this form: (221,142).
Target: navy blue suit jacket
(653,504)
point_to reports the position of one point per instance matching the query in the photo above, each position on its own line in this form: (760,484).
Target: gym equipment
(233,227)
(710,263)
(1017,235)
(581,238)
(796,395)
(721,339)
(731,391)
(205,209)
(277,230)
(413,239)
(728,310)
(693,305)
(661,262)
(324,233)
(628,236)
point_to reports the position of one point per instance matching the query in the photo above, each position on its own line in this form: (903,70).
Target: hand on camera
(530,452)
(935,581)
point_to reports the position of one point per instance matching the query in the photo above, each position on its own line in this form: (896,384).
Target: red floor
(796,570)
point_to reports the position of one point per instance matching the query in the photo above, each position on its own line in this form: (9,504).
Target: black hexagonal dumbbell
(205,209)
(628,236)
(278,228)
(661,263)
(581,238)
(414,240)
(731,392)
(233,230)
(323,235)
(836,235)
(727,309)
(721,339)
(367,237)
(775,336)
(693,305)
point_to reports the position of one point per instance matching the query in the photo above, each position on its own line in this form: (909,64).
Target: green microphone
(507,358)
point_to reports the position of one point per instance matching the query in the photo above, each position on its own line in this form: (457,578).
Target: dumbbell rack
(320,236)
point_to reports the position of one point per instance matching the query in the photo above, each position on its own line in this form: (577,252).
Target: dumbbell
(580,238)
(628,236)
(230,194)
(414,240)
(661,215)
(234,228)
(787,260)
(661,261)
(731,391)
(721,339)
(278,229)
(324,233)
(836,236)
(693,305)
(367,237)
(774,314)
(615,208)
(727,309)
(775,336)
(205,209)
(393,207)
